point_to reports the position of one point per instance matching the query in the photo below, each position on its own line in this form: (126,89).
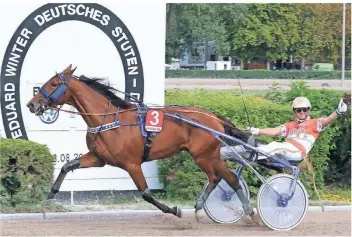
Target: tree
(172,39)
(321,32)
(274,31)
(197,23)
(268,30)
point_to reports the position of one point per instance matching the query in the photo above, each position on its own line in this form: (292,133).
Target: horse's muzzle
(30,107)
(37,109)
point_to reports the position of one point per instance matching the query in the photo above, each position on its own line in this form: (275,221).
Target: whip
(244,105)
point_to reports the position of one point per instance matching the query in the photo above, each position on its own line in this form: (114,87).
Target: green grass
(250,92)
(34,208)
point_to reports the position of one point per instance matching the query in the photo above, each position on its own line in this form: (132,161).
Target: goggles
(299,110)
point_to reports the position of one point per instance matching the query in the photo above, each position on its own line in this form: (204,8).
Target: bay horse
(124,146)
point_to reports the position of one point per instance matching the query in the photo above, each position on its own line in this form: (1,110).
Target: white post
(343,43)
(72,202)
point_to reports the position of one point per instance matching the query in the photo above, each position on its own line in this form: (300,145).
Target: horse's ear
(68,69)
(73,70)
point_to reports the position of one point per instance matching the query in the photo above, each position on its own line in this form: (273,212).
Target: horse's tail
(232,130)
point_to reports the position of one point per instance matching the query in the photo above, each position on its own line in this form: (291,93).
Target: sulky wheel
(275,212)
(223,205)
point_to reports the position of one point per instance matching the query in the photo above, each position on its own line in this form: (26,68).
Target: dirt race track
(315,223)
(250,84)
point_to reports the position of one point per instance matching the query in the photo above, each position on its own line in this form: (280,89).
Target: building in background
(199,57)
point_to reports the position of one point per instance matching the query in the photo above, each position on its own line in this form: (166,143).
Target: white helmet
(301,102)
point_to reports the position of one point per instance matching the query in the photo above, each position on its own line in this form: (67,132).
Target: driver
(300,133)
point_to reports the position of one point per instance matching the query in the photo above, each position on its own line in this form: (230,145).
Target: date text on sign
(154,120)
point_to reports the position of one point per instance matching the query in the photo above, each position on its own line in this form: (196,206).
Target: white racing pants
(286,149)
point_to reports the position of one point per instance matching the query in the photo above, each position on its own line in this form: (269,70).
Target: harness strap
(100,128)
(147,146)
(141,112)
(112,125)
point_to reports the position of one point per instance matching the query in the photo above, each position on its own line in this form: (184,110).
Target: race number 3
(154,120)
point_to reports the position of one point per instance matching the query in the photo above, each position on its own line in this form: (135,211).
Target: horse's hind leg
(85,161)
(136,174)
(232,180)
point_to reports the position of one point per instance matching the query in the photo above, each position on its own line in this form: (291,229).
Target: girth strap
(142,111)
(147,146)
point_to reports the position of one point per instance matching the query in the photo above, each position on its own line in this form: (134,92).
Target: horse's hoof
(199,214)
(256,219)
(178,212)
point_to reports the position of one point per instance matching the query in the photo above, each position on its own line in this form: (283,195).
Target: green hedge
(256,74)
(184,180)
(26,170)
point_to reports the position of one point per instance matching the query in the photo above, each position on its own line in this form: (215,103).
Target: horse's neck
(86,100)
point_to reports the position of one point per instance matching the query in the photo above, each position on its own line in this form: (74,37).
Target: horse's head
(54,92)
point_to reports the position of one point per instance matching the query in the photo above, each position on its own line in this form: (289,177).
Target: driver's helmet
(301,102)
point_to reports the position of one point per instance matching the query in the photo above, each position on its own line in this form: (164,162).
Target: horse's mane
(105,90)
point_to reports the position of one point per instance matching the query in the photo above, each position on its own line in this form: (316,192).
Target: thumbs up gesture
(341,108)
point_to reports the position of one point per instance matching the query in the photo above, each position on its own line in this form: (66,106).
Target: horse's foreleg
(136,174)
(85,161)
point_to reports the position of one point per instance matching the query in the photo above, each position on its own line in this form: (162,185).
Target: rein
(63,87)
(126,110)
(90,114)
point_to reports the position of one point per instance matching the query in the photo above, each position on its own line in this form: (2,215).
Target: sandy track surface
(250,84)
(315,223)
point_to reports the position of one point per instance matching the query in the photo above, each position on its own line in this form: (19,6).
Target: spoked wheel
(223,206)
(275,213)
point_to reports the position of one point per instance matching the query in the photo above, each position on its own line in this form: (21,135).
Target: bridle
(58,92)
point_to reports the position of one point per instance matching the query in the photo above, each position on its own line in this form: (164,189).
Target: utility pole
(343,43)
